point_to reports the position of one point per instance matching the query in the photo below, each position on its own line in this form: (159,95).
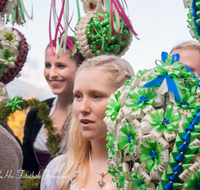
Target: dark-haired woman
(59,71)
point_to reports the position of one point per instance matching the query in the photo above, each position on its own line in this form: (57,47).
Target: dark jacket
(31,129)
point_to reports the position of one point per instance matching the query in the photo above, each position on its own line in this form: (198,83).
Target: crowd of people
(82,88)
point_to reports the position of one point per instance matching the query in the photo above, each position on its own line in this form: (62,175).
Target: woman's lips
(86,122)
(56,83)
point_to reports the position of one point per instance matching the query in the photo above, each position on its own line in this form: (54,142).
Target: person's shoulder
(56,161)
(49,101)
(53,172)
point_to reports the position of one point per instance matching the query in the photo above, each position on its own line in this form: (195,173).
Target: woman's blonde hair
(77,157)
(189,45)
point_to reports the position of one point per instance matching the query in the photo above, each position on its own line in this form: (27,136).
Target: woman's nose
(85,106)
(53,72)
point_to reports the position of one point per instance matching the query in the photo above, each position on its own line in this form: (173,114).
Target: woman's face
(92,89)
(59,72)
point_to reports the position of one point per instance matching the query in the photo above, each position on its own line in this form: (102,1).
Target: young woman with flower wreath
(84,167)
(59,72)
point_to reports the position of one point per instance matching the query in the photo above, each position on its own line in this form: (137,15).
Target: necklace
(101,182)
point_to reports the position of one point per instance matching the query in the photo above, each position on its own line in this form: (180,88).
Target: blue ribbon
(170,84)
(139,183)
(153,155)
(142,99)
(188,69)
(198,84)
(165,121)
(197,186)
(185,103)
(175,57)
(129,138)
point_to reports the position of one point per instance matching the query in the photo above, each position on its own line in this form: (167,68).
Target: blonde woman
(85,165)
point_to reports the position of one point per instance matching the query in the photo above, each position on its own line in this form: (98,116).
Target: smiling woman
(59,71)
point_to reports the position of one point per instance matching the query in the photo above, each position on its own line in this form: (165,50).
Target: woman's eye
(61,66)
(77,96)
(97,96)
(47,65)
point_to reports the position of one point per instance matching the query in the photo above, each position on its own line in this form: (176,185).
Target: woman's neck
(64,101)
(99,151)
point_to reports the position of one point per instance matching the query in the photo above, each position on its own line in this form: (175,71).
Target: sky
(160,25)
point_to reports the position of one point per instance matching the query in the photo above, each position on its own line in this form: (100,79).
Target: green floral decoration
(139,74)
(137,181)
(127,141)
(14,104)
(150,152)
(173,69)
(141,99)
(43,109)
(188,101)
(195,89)
(113,107)
(8,55)
(194,182)
(170,121)
(99,38)
(118,175)
(9,37)
(110,145)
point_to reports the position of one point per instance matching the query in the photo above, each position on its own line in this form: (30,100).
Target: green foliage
(30,182)
(43,109)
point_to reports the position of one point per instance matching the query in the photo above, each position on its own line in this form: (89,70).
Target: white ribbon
(127,185)
(155,175)
(138,114)
(139,136)
(135,82)
(184,112)
(185,175)
(198,91)
(194,167)
(185,3)
(169,136)
(151,186)
(146,127)
(119,116)
(165,156)
(148,109)
(147,138)
(192,33)
(123,97)
(162,142)
(196,142)
(155,134)
(126,111)
(136,124)
(163,88)
(146,118)
(159,99)
(140,171)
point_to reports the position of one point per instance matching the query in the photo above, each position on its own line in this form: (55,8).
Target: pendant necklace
(101,182)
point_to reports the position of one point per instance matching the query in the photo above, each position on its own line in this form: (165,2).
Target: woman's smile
(56,83)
